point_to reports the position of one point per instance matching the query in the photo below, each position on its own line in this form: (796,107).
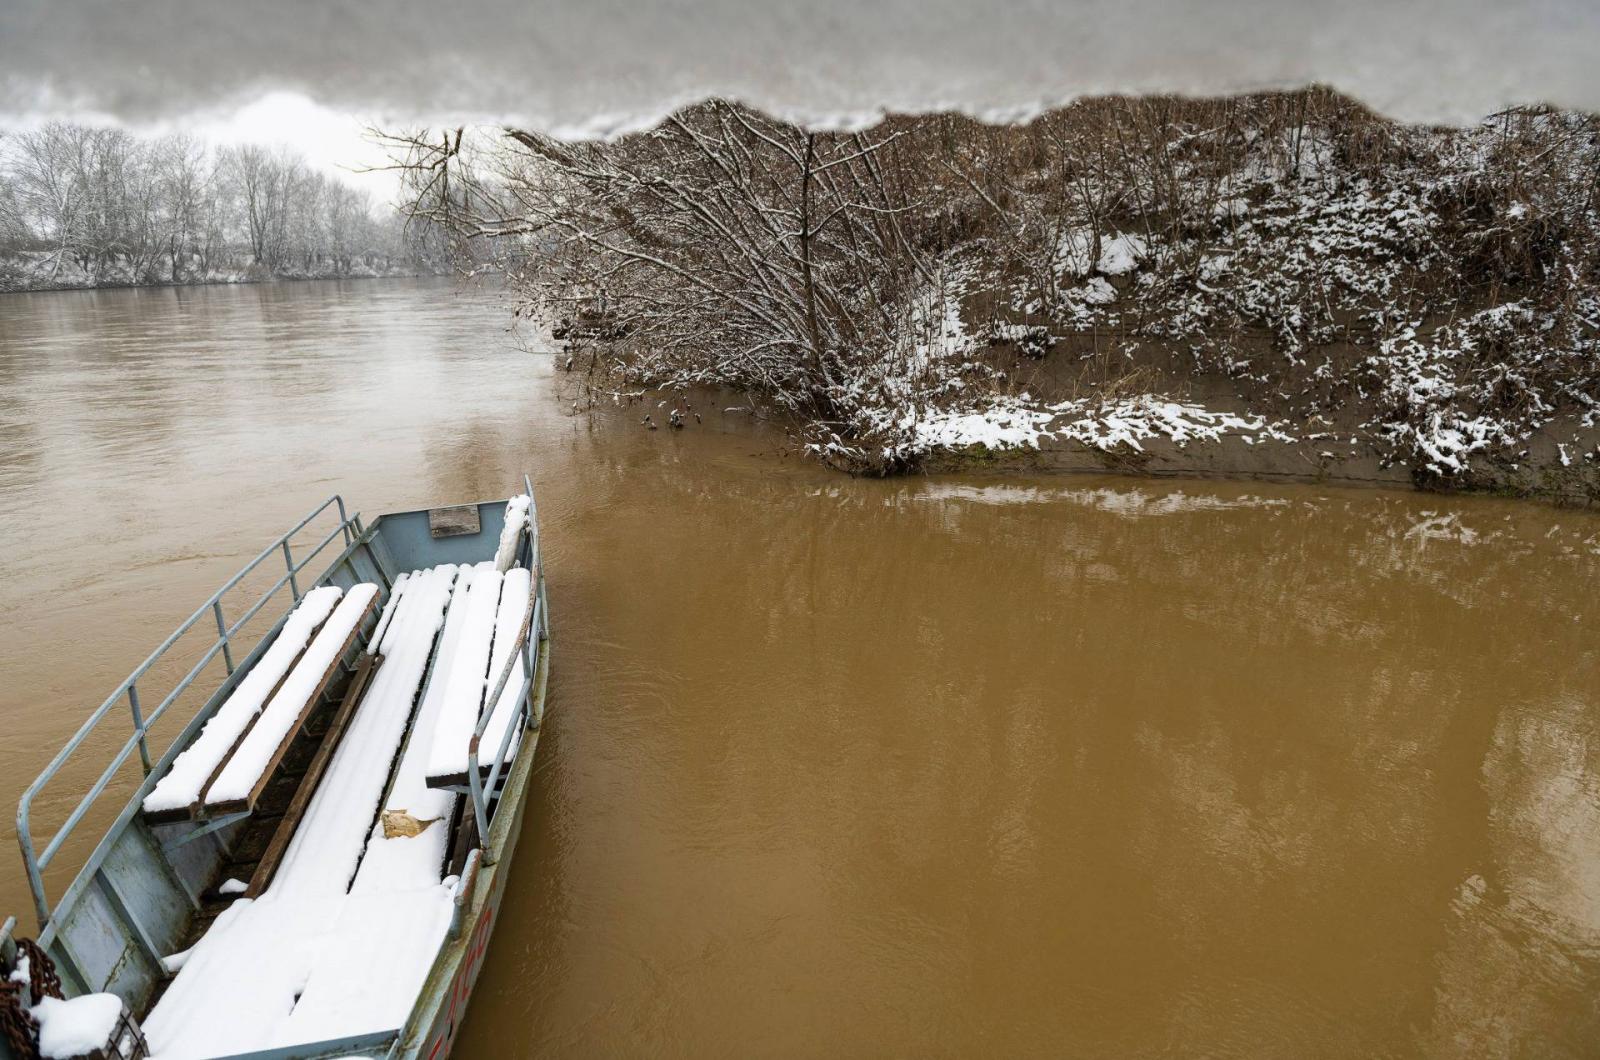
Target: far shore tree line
(84,206)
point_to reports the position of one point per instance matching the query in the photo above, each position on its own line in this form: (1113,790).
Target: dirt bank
(1279,285)
(1259,433)
(1553,469)
(1234,458)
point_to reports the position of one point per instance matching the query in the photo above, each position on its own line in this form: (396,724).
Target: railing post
(222,631)
(530,652)
(479,811)
(35,862)
(138,725)
(531,664)
(288,562)
(30,860)
(544,606)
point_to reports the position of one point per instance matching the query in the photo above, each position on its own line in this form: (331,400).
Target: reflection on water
(1015,766)
(1533,922)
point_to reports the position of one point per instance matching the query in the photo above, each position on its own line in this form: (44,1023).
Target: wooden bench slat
(312,607)
(512,626)
(215,805)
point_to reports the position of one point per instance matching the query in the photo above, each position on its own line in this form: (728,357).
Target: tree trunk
(813,331)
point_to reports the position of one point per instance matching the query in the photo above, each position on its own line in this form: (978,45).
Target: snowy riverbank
(42,272)
(1275,273)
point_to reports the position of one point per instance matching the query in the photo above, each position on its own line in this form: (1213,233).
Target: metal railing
(532,634)
(35,863)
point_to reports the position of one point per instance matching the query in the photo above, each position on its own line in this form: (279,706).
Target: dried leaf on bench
(398,823)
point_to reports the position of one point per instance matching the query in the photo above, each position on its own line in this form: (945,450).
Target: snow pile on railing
(505,554)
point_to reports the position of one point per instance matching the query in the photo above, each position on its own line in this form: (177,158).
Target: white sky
(597,67)
(332,141)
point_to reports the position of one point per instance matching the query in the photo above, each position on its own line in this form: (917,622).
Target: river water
(1011,766)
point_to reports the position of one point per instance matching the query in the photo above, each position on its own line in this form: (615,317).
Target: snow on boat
(314,866)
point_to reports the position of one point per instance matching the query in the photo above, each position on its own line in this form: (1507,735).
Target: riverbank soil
(1316,430)
(1557,462)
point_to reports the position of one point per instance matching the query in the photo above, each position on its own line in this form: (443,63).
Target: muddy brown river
(961,766)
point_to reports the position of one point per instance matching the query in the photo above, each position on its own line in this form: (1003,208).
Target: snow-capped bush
(1438,285)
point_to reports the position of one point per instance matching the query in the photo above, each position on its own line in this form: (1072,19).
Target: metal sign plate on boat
(453,521)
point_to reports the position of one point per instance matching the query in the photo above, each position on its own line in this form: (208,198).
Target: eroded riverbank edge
(1575,485)
(1557,469)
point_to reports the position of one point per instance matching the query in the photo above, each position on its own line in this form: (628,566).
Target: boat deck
(326,855)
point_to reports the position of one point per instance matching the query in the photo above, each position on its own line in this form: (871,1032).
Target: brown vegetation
(1437,290)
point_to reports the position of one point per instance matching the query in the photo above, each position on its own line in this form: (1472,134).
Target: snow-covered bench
(176,796)
(498,610)
(228,765)
(244,982)
(242,779)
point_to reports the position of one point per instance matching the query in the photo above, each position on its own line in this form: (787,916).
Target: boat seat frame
(196,809)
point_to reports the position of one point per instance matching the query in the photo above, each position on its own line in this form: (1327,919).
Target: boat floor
(254,835)
(343,917)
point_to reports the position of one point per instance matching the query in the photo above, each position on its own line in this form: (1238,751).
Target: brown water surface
(834,767)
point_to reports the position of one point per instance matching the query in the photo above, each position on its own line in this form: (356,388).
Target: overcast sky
(332,141)
(595,67)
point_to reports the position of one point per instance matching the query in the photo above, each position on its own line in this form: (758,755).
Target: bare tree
(1292,241)
(86,205)
(15,231)
(187,190)
(722,246)
(46,176)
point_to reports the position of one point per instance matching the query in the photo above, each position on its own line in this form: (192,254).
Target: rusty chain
(42,974)
(18,1025)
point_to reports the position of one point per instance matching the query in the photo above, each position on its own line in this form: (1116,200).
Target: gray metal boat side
(138,893)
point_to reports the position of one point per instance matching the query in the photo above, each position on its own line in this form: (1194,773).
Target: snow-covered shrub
(1439,282)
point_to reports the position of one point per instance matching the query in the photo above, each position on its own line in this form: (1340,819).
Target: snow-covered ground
(1423,303)
(52,272)
(1105,425)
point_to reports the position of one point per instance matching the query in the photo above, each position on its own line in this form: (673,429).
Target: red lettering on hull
(466,976)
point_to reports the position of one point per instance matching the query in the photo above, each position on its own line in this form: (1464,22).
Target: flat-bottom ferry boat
(313,866)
